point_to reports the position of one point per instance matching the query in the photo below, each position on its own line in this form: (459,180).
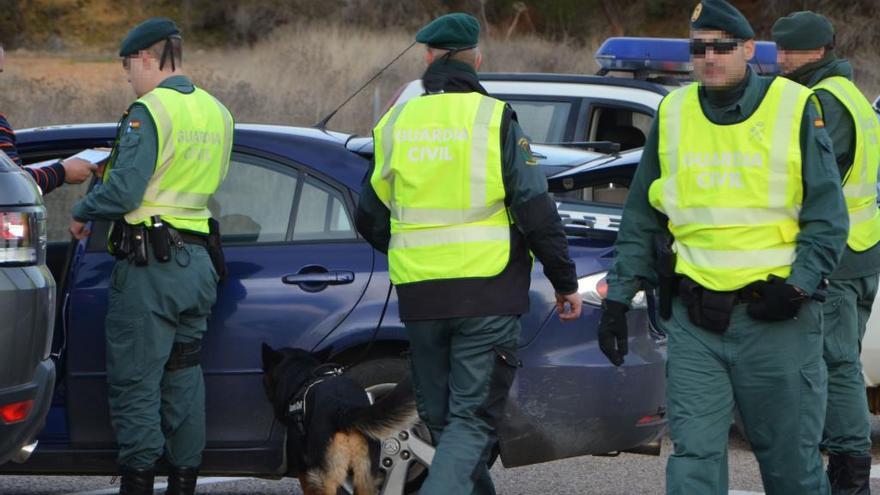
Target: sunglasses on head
(719,47)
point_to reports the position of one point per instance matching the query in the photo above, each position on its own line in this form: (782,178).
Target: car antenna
(322,124)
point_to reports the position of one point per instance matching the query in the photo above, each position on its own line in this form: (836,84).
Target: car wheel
(405,457)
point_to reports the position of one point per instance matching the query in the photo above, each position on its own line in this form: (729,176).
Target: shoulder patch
(523,144)
(819,123)
(133,125)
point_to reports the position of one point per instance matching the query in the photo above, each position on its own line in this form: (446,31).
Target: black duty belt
(198,240)
(740,296)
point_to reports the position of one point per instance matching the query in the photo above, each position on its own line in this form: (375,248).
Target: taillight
(16,412)
(22,237)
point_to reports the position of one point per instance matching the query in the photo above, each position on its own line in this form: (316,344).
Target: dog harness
(297,408)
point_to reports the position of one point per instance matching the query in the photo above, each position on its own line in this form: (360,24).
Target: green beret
(147,34)
(451,32)
(803,31)
(718,15)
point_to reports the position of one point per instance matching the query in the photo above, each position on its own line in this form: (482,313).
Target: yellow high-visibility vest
(860,184)
(438,170)
(194,146)
(733,193)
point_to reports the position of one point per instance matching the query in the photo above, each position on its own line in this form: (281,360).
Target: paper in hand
(93,156)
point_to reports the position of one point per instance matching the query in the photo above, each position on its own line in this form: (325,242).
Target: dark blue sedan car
(300,276)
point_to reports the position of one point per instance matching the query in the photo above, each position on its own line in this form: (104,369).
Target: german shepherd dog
(339,431)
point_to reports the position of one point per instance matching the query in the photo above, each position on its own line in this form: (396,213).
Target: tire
(378,376)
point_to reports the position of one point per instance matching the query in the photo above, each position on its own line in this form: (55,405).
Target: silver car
(27,303)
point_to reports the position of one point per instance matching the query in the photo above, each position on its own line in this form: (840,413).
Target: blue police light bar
(666,55)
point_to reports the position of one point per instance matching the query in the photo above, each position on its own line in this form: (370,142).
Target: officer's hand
(613,332)
(78,229)
(77,170)
(574,306)
(775,300)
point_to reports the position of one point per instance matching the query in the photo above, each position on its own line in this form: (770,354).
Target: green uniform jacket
(538,226)
(823,218)
(841,128)
(134,161)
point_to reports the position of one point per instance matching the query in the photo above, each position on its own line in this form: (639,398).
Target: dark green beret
(147,34)
(718,15)
(451,32)
(803,31)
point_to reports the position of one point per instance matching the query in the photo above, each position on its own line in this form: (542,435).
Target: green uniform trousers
(462,371)
(847,422)
(151,307)
(773,372)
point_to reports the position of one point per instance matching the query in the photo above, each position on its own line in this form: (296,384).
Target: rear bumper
(17,435)
(568,400)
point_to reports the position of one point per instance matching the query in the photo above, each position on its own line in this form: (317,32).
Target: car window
(543,121)
(610,193)
(254,202)
(626,126)
(322,214)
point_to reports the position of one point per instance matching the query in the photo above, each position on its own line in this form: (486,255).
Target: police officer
(805,48)
(456,200)
(738,169)
(171,154)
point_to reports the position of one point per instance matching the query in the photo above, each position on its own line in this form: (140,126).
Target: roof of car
(322,150)
(575,79)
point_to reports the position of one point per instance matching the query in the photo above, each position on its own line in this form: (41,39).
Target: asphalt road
(627,474)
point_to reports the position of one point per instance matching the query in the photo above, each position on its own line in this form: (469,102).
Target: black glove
(775,300)
(613,332)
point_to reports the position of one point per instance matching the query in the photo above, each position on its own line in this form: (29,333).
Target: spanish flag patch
(819,123)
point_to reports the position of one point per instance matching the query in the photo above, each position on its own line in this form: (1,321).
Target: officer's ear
(749,49)
(429,56)
(478,59)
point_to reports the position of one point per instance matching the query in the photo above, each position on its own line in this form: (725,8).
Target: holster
(707,308)
(160,240)
(215,250)
(138,240)
(129,241)
(120,247)
(667,279)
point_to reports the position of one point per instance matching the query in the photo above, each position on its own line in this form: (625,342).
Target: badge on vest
(133,126)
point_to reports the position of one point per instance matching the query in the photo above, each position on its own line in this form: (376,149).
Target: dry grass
(294,77)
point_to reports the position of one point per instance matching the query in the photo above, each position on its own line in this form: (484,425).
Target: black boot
(182,481)
(136,481)
(849,475)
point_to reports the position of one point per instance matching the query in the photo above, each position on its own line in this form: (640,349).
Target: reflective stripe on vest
(195,142)
(732,193)
(860,184)
(438,170)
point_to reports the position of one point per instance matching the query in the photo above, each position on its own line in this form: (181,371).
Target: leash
(366,352)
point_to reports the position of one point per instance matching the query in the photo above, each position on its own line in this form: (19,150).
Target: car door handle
(329,278)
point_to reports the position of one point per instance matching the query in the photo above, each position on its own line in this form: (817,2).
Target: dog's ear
(271,357)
